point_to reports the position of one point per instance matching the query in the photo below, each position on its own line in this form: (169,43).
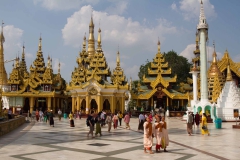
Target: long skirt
(37,117)
(51,121)
(189,128)
(140,125)
(72,123)
(147,142)
(98,129)
(115,123)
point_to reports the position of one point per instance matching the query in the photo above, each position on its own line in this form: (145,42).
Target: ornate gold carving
(92,91)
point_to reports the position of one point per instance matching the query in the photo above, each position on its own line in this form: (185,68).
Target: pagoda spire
(214,55)
(99,40)
(3,73)
(40,44)
(202,19)
(49,62)
(118,59)
(59,65)
(159,47)
(91,40)
(84,43)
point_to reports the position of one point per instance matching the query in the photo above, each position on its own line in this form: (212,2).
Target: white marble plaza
(39,141)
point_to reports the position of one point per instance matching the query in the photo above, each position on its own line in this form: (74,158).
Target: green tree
(179,64)
(143,70)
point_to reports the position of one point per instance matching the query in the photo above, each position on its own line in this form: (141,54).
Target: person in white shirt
(59,114)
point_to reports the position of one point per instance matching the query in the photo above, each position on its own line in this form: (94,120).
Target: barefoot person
(157,131)
(165,139)
(147,137)
(204,129)
(189,123)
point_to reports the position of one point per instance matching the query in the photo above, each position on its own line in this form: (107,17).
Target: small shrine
(38,89)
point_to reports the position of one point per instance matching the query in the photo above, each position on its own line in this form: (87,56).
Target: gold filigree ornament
(93,91)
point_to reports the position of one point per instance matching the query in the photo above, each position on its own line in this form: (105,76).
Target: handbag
(204,127)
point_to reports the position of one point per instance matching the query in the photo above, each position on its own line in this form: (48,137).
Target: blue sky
(133,25)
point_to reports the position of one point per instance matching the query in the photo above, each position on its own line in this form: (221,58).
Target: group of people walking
(103,119)
(195,119)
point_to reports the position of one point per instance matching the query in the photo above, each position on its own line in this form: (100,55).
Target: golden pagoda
(90,86)
(216,80)
(39,89)
(158,88)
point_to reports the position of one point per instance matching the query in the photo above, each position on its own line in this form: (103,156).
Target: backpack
(87,122)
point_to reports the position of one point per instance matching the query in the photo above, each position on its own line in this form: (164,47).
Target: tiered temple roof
(40,78)
(159,79)
(92,64)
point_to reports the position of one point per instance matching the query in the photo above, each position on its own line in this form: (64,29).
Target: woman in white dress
(165,139)
(148,136)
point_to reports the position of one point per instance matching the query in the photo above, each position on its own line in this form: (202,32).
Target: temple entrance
(26,106)
(94,106)
(83,106)
(106,106)
(42,105)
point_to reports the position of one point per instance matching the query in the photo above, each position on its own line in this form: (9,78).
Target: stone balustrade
(9,125)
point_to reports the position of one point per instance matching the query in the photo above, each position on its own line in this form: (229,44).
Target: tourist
(41,115)
(189,123)
(90,123)
(46,116)
(147,137)
(157,131)
(150,116)
(51,120)
(165,139)
(80,114)
(127,120)
(59,114)
(109,122)
(103,114)
(71,119)
(197,119)
(98,126)
(9,113)
(120,116)
(204,129)
(115,121)
(37,115)
(141,121)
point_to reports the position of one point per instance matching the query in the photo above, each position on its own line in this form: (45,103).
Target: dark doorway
(106,106)
(94,105)
(83,106)
(42,105)
(26,106)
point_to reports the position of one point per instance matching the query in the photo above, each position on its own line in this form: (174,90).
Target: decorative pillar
(49,102)
(112,103)
(78,103)
(122,104)
(31,104)
(87,104)
(99,103)
(54,105)
(73,104)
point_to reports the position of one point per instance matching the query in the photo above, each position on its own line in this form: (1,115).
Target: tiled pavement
(39,141)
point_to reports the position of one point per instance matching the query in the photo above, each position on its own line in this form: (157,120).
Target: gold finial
(40,43)
(214,54)
(229,74)
(118,59)
(59,67)
(2,39)
(194,68)
(159,49)
(23,51)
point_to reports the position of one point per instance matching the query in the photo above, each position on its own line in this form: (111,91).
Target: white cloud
(114,29)
(133,38)
(117,8)
(13,41)
(190,9)
(174,6)
(63,4)
(188,53)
